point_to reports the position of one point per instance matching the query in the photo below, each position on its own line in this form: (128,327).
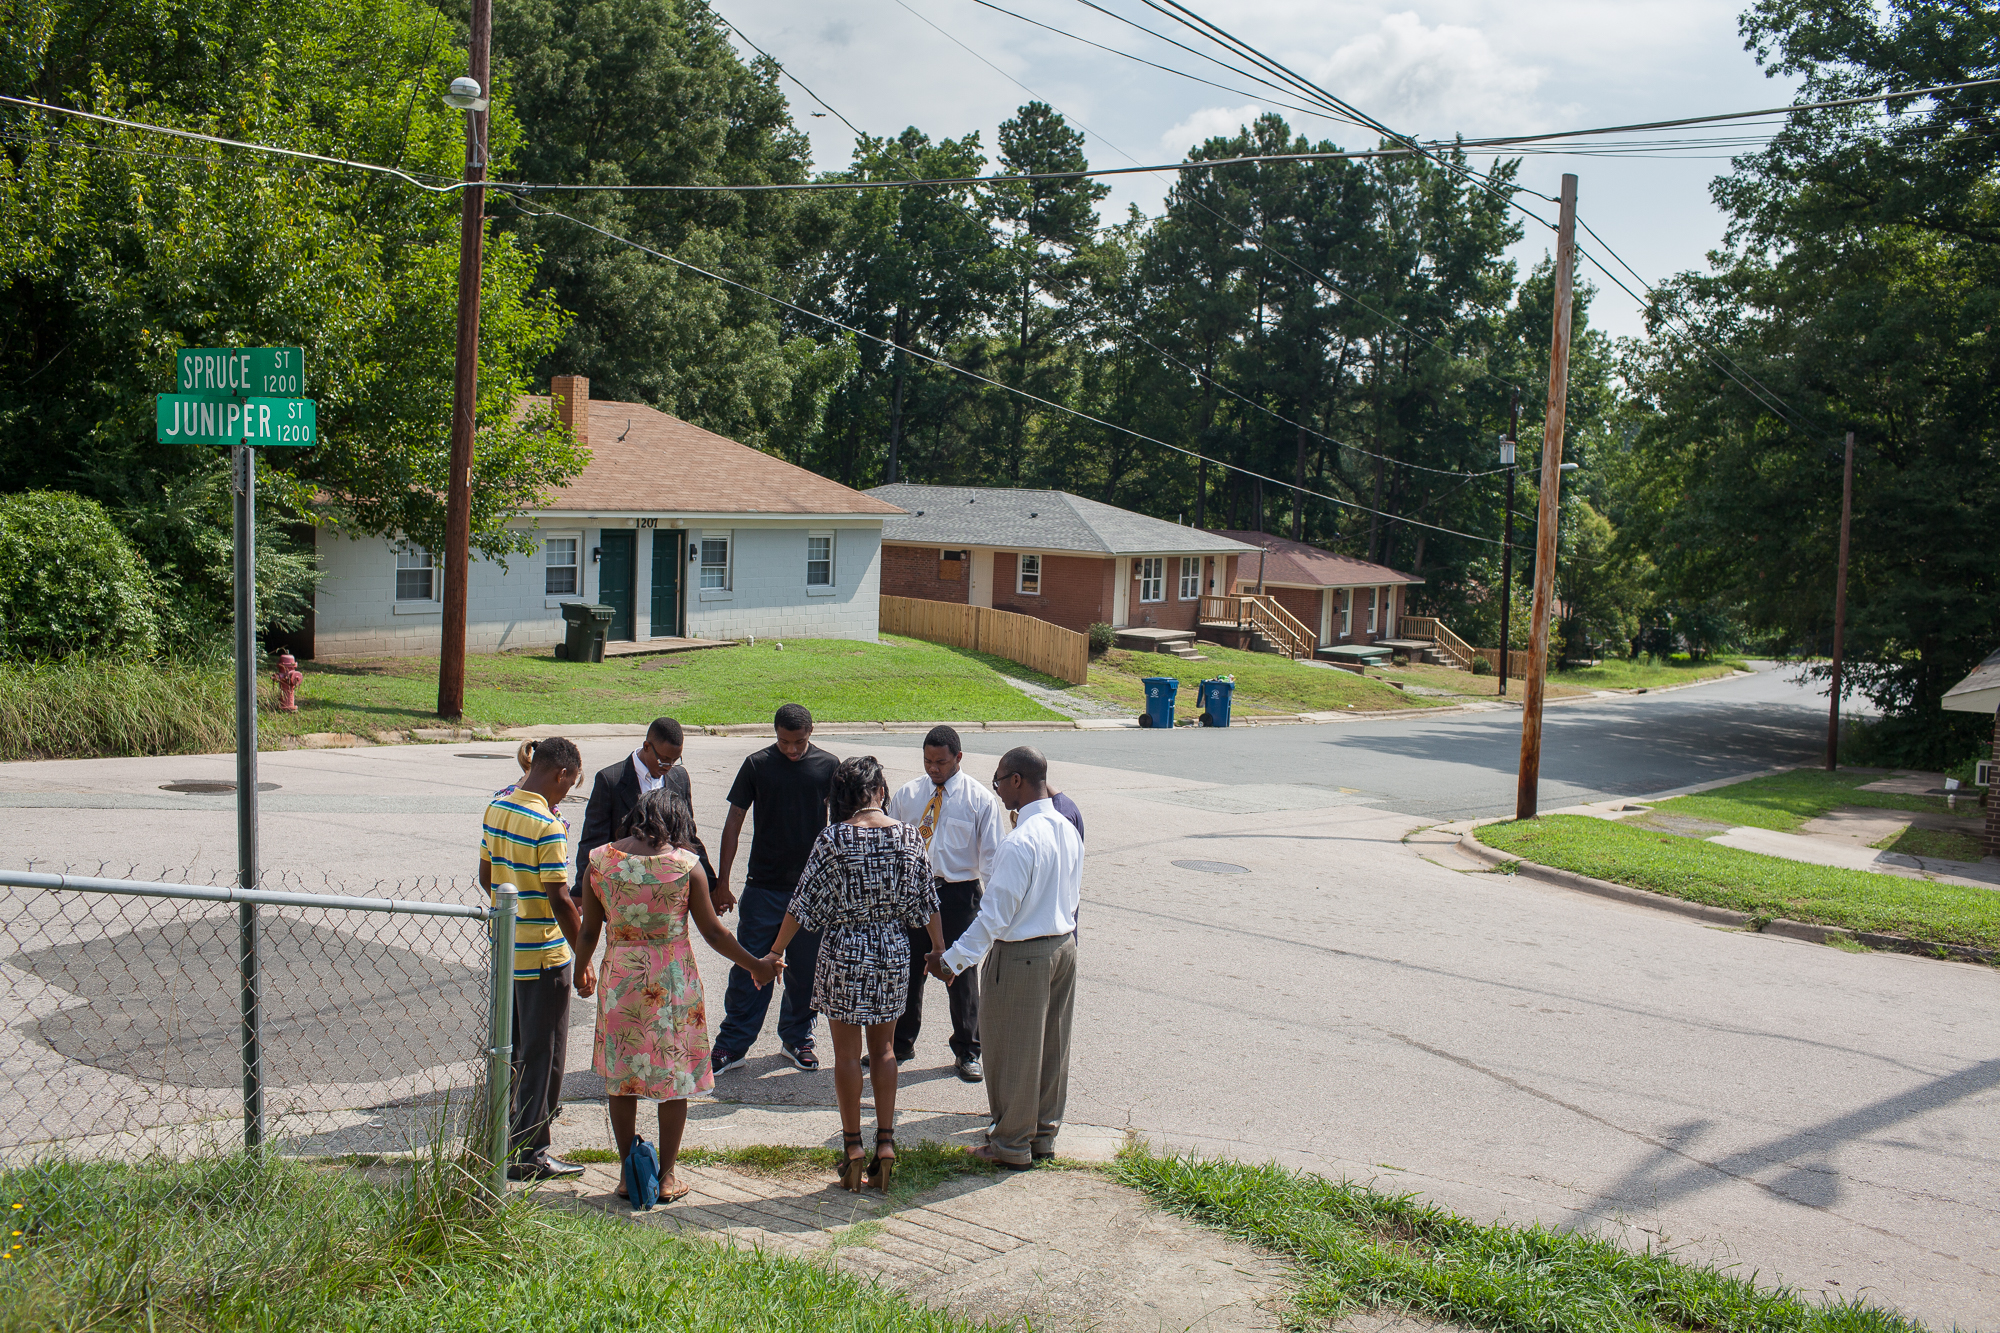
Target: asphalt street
(1330,999)
(1463,765)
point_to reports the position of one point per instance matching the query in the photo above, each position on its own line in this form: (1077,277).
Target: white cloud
(1432,80)
(1207,124)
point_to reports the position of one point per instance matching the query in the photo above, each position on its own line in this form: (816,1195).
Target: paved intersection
(1821,1118)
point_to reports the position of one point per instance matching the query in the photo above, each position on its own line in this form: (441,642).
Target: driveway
(1336,1002)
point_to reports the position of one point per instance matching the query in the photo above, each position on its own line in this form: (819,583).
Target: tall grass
(1357,1248)
(82,707)
(267,1244)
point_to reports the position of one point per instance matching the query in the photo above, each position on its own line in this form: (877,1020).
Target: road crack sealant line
(1808,931)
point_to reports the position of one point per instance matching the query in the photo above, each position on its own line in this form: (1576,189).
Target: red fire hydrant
(288,677)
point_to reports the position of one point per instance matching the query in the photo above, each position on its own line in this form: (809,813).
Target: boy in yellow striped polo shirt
(525,845)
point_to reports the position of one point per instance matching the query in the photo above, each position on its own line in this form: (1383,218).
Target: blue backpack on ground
(642,1175)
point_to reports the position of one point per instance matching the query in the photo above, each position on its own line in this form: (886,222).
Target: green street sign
(212,419)
(273,372)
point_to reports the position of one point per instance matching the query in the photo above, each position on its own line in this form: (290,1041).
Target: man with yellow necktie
(962,824)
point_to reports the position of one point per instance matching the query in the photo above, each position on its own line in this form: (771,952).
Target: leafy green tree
(122,247)
(916,270)
(1857,293)
(650,93)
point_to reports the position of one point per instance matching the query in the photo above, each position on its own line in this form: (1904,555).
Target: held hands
(720,897)
(934,964)
(766,970)
(586,980)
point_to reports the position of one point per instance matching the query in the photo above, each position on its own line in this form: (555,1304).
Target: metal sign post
(247,874)
(243,397)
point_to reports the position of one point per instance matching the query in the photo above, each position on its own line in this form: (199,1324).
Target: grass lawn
(1464,684)
(1784,801)
(1357,1248)
(231,1245)
(1763,886)
(1618,674)
(1265,683)
(897,680)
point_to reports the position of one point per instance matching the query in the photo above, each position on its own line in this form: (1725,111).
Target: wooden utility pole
(1507,548)
(465,376)
(1840,612)
(1545,516)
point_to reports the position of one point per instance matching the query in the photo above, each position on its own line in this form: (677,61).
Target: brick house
(1052,555)
(682,532)
(1343,600)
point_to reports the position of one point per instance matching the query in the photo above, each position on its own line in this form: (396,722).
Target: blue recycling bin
(1215,696)
(1160,692)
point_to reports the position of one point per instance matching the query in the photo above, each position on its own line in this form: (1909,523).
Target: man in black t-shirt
(787,785)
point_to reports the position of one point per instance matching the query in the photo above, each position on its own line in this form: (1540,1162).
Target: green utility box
(583,635)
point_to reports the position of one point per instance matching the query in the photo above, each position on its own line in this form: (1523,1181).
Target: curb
(1810,932)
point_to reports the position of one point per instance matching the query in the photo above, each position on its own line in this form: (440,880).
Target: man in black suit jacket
(615,793)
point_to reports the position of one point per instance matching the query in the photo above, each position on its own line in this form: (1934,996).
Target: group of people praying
(853,898)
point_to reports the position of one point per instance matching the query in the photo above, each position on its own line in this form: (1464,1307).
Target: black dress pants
(541,1049)
(958,908)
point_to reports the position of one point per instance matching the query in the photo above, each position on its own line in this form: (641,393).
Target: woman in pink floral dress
(652,1027)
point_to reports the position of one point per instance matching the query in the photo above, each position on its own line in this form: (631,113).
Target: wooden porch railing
(1262,613)
(1455,648)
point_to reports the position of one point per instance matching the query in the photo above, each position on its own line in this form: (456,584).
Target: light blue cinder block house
(683,533)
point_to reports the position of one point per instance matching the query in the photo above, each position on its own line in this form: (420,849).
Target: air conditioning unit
(1982,773)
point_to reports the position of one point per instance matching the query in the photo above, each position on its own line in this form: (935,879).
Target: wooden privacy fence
(1049,649)
(1517,661)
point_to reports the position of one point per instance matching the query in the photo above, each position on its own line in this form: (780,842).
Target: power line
(1165,69)
(1242,231)
(1553,141)
(831,322)
(858,131)
(450,188)
(1777,403)
(1267,411)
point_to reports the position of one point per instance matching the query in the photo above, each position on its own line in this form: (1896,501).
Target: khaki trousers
(1027,995)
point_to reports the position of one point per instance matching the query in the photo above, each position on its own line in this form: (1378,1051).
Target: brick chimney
(571,394)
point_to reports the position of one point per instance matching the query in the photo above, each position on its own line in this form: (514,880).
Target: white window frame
(828,588)
(413,605)
(708,592)
(557,598)
(1151,569)
(1190,578)
(1021,576)
(1374,609)
(1346,612)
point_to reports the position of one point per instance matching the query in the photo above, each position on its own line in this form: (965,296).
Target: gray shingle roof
(1036,521)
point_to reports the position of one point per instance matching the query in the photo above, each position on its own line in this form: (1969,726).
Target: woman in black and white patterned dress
(866,886)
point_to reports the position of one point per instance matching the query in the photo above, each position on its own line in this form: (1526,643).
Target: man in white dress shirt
(1026,933)
(962,825)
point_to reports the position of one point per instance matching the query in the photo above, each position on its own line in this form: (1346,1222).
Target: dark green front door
(669,553)
(616,574)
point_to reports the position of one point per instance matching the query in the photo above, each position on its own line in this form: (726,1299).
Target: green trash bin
(583,636)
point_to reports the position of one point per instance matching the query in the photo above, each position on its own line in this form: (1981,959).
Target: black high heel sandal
(882,1170)
(854,1170)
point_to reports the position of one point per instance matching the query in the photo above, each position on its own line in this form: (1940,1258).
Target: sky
(1477,67)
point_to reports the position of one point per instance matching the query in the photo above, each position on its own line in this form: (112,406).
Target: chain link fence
(179,1017)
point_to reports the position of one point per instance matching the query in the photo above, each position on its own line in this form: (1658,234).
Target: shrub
(69,581)
(1101,638)
(1481,667)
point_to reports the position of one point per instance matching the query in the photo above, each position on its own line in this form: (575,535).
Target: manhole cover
(210,788)
(486,756)
(1214,867)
